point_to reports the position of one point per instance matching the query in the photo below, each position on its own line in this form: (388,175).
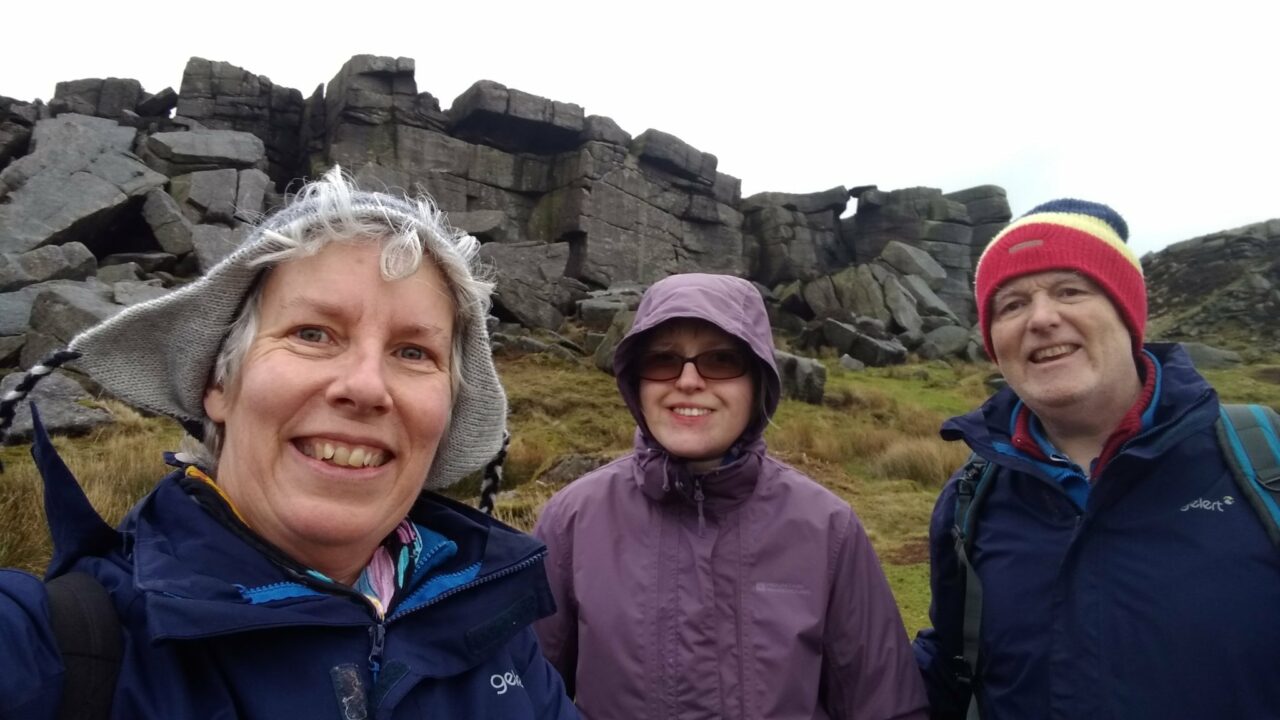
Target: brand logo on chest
(505,681)
(1210,505)
(780,587)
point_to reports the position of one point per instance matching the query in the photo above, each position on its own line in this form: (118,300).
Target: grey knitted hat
(159,355)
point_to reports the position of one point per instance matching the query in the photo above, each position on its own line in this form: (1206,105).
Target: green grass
(1258,383)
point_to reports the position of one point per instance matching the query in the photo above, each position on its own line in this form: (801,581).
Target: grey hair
(405,238)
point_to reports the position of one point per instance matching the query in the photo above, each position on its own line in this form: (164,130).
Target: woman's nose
(689,378)
(360,381)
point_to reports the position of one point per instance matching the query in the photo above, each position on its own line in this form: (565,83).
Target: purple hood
(732,304)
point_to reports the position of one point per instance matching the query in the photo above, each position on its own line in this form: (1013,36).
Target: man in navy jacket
(1121,574)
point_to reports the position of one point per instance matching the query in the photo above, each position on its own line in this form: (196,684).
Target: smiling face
(1061,344)
(333,419)
(694,418)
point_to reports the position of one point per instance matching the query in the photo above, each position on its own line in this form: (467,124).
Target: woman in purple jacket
(698,577)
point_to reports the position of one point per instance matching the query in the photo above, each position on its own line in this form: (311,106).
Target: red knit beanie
(1077,235)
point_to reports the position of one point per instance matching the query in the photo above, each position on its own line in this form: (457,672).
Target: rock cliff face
(1226,284)
(110,195)
(566,204)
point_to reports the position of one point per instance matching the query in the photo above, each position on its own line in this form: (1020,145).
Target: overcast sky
(1168,114)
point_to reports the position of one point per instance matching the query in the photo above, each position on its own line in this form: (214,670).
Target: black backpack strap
(1250,439)
(971,489)
(87,629)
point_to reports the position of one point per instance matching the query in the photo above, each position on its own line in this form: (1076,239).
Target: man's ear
(215,404)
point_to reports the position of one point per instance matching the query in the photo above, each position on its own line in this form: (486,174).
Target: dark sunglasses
(721,364)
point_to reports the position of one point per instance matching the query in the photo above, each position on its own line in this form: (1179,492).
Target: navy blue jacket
(1159,599)
(213,629)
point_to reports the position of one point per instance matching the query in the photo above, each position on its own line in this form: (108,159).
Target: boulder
(252,186)
(170,227)
(876,352)
(863,295)
(804,379)
(914,261)
(64,407)
(207,196)
(16,121)
(158,105)
(670,153)
(838,335)
(211,244)
(947,341)
(820,296)
(1207,357)
(71,261)
(521,343)
(928,302)
(63,311)
(910,339)
(902,306)
(852,364)
(489,113)
(568,468)
(10,348)
(527,275)
(107,98)
(597,314)
(929,323)
(74,185)
(984,203)
(134,292)
(36,348)
(597,128)
(180,153)
(618,329)
(149,262)
(120,272)
(872,327)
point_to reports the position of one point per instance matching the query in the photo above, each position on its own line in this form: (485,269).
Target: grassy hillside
(874,442)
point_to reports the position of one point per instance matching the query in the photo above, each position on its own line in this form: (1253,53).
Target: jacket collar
(1182,403)
(665,478)
(197,578)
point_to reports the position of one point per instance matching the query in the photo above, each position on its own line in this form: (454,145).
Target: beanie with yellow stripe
(1077,235)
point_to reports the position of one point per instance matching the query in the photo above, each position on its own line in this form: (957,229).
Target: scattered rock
(804,379)
(1207,357)
(568,468)
(65,408)
(852,364)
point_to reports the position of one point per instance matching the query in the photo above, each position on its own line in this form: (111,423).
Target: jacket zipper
(698,497)
(377,641)
(509,570)
(378,630)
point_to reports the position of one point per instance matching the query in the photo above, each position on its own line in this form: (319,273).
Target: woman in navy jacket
(335,366)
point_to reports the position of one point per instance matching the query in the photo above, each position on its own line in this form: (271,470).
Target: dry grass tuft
(927,461)
(116,465)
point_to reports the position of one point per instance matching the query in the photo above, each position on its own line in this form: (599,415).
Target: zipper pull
(378,639)
(698,497)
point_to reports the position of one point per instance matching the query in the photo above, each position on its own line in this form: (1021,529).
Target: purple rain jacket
(746,592)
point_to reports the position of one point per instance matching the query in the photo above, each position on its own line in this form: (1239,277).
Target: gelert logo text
(504,682)
(1210,505)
